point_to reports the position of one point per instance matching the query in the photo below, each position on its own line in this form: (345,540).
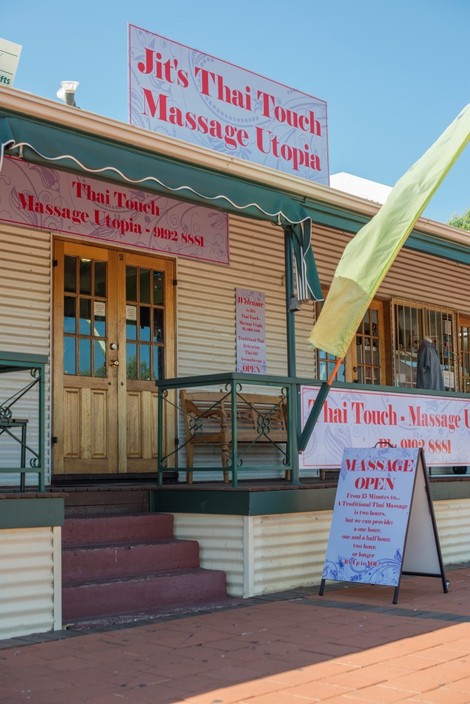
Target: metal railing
(22,416)
(235,391)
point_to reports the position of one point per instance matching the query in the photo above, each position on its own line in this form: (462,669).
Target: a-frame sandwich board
(383,523)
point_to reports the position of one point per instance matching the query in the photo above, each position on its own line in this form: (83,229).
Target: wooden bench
(208,420)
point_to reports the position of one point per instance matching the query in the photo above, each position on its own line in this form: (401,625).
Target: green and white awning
(50,144)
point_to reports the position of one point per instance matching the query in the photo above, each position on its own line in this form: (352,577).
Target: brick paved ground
(350,645)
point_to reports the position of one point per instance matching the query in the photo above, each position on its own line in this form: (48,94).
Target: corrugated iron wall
(221,544)
(25,312)
(206,294)
(31,581)
(413,275)
(268,554)
(206,304)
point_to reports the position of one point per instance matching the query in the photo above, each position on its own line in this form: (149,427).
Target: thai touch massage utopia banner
(50,199)
(186,94)
(359,418)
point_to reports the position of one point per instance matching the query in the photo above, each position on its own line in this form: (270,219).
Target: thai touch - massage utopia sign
(186,94)
(49,199)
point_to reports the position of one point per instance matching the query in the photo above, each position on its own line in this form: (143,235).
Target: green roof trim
(48,144)
(51,144)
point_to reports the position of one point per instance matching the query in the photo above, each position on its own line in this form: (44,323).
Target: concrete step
(127,560)
(114,530)
(145,594)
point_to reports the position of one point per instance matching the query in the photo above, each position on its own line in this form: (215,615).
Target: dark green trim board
(270,502)
(234,502)
(26,512)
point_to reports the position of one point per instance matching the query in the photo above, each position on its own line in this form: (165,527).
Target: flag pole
(317,406)
(335,370)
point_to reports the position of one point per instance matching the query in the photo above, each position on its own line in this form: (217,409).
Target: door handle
(114,363)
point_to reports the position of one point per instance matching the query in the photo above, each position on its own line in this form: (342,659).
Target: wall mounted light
(66,92)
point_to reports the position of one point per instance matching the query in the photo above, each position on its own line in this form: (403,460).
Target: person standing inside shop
(429,372)
(429,375)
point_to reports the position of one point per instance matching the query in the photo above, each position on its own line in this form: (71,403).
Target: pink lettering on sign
(47,199)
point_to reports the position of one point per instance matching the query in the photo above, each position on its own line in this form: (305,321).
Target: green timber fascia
(270,502)
(234,502)
(439,248)
(449,490)
(27,512)
(348,221)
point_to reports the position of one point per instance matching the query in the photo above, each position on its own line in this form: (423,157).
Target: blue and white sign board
(383,522)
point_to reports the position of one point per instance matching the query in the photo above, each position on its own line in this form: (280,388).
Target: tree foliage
(462,221)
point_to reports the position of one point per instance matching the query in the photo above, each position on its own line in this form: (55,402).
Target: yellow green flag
(369,256)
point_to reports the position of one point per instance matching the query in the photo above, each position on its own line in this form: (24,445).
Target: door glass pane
(100,358)
(70,274)
(69,314)
(131,283)
(144,286)
(70,364)
(157,277)
(144,366)
(158,325)
(85,316)
(85,276)
(131,323)
(99,325)
(84,357)
(131,361)
(100,279)
(158,359)
(145,320)
(145,324)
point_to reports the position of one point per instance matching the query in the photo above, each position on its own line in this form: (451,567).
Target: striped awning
(51,144)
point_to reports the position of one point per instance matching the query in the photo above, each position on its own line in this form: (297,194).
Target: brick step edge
(147,593)
(89,530)
(92,563)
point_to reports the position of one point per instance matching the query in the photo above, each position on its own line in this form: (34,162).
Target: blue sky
(393,73)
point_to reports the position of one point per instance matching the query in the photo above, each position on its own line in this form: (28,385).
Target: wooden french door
(113,337)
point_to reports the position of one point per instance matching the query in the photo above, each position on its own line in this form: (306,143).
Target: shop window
(464,345)
(364,362)
(326,363)
(368,367)
(411,322)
